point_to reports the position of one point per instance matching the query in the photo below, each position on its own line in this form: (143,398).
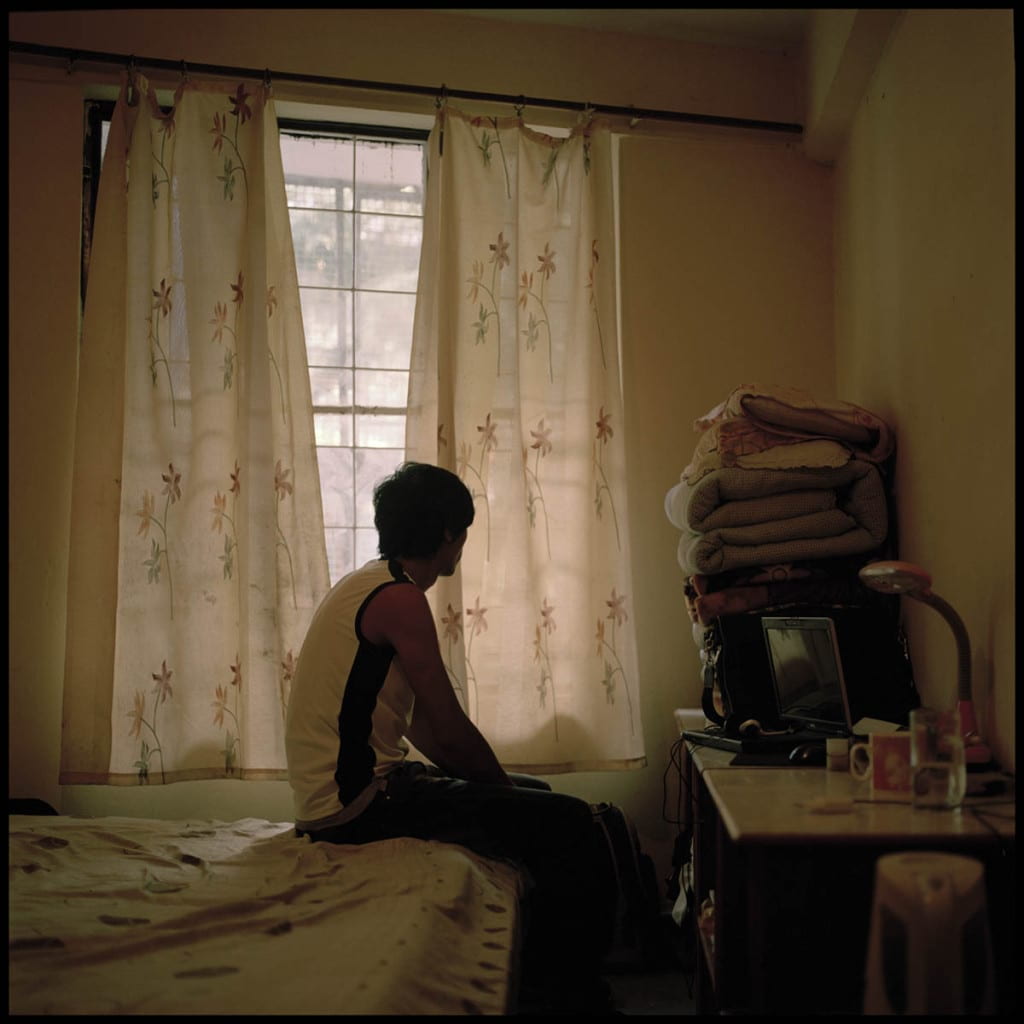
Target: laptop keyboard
(772,743)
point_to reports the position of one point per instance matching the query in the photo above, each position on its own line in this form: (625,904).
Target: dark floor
(663,984)
(655,993)
(663,989)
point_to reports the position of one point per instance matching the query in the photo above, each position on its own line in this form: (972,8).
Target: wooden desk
(792,888)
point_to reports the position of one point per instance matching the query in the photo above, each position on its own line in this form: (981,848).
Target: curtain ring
(184,72)
(131,94)
(585,116)
(520,104)
(266,78)
(441,103)
(71,62)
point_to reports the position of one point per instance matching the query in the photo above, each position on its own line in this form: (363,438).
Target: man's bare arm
(422,739)
(400,616)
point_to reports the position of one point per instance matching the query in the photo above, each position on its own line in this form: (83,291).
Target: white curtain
(515,386)
(197,544)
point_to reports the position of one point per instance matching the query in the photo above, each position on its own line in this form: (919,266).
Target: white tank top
(350,706)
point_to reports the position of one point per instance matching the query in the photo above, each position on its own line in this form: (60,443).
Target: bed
(130,915)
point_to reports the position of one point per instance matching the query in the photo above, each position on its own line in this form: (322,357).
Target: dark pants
(569,910)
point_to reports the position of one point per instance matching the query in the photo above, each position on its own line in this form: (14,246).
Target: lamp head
(896,578)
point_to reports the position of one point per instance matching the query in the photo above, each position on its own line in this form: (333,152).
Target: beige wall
(925,326)
(44,258)
(727,277)
(428,49)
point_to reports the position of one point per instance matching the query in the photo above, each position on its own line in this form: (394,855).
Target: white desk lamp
(913,581)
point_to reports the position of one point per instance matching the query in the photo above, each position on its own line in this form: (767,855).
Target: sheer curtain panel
(197,543)
(515,387)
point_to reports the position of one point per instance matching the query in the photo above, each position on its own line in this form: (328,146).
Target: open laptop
(810,689)
(807,673)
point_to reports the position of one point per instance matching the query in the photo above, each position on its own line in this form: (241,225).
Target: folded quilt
(690,513)
(709,552)
(765,495)
(787,410)
(734,600)
(834,568)
(852,520)
(830,523)
(742,443)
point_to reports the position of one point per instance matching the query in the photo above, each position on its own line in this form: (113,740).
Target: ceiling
(768,29)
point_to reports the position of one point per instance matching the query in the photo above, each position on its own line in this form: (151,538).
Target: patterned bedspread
(129,915)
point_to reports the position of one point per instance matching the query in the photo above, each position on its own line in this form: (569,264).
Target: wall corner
(844,47)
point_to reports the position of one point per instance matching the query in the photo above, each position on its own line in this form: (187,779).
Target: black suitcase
(637,942)
(872,648)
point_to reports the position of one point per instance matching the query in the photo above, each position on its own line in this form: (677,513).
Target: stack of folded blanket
(784,499)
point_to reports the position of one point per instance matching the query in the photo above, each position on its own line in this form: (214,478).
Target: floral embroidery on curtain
(515,386)
(197,547)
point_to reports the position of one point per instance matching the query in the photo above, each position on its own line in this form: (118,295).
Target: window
(355,197)
(356,208)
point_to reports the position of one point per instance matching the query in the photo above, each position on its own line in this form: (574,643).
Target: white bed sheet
(129,915)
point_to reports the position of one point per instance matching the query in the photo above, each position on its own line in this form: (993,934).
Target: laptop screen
(807,672)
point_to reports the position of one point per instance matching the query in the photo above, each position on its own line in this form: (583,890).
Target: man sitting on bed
(370,675)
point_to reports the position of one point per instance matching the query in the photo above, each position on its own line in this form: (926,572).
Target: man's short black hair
(418,508)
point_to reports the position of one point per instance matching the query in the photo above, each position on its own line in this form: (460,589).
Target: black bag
(637,940)
(738,676)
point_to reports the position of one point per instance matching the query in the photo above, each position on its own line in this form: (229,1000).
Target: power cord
(675,760)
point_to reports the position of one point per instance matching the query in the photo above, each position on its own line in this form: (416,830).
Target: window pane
(384,329)
(380,431)
(336,485)
(318,196)
(370,468)
(327,320)
(340,554)
(382,387)
(323,247)
(333,429)
(389,177)
(388,252)
(366,546)
(332,388)
(318,172)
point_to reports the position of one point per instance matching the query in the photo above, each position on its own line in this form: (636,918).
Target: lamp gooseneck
(893,577)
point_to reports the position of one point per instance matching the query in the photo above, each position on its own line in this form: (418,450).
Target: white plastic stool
(929,947)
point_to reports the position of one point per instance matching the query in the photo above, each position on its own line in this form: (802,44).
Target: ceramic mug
(884,761)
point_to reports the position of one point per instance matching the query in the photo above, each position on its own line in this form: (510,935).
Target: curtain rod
(518,102)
